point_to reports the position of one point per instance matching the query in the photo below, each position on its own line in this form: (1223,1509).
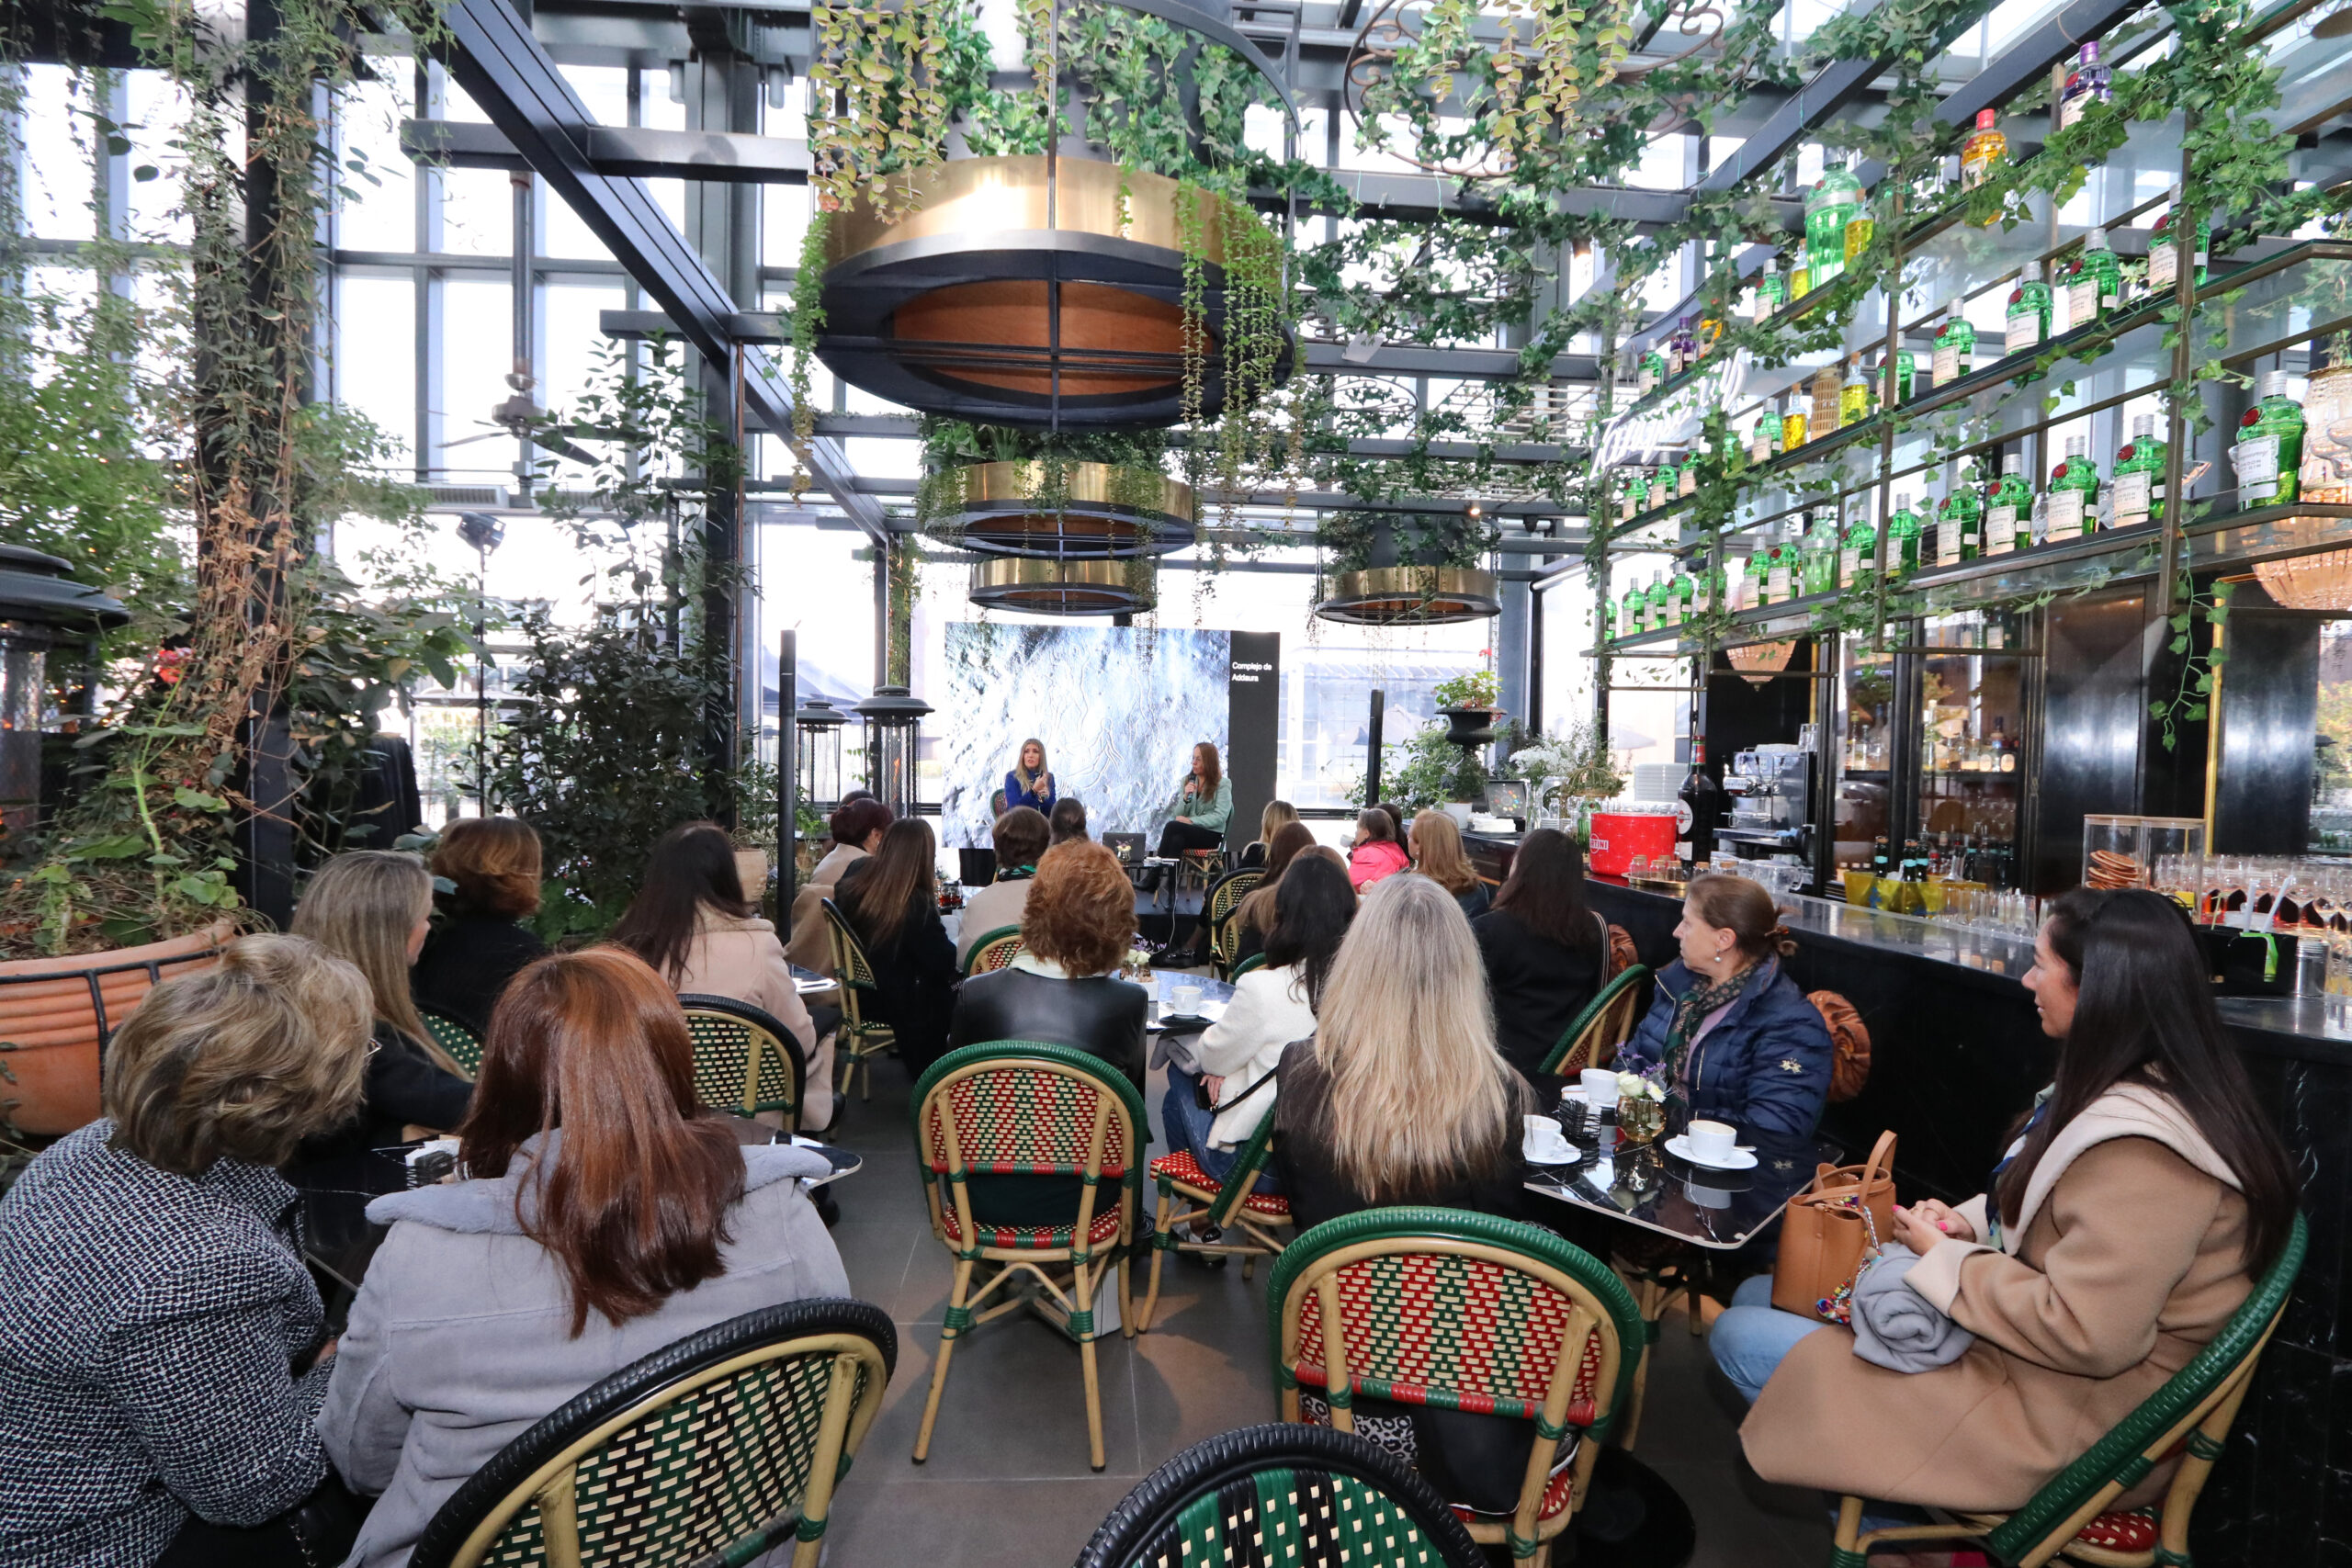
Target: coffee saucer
(1739,1159)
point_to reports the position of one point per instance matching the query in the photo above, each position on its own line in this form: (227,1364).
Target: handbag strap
(1881,1158)
(1229,1104)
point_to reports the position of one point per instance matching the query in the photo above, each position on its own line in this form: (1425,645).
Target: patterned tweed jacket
(149,1326)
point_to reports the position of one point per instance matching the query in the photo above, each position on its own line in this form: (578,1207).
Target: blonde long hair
(1405,1039)
(361,907)
(1437,853)
(1028,780)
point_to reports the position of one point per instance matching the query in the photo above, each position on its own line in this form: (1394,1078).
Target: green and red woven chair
(1020,1108)
(2074,1516)
(746,1061)
(1463,1310)
(994,951)
(462,1043)
(1234,1204)
(862,1038)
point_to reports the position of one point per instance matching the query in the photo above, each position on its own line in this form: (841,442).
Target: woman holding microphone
(1198,810)
(1029,784)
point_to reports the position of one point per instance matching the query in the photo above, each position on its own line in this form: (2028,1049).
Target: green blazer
(1211,814)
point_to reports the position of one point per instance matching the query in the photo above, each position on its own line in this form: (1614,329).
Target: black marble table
(1653,1190)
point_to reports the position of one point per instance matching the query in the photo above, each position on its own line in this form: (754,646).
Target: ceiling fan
(518,418)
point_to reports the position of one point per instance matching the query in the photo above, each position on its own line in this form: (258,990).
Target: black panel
(1253,728)
(2094,722)
(2266,712)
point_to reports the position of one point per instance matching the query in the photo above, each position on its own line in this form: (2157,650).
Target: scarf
(1696,1004)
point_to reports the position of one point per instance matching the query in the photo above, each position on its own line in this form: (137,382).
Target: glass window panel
(380,213)
(477,213)
(155,111)
(477,349)
(783,223)
(374,353)
(655,107)
(58,142)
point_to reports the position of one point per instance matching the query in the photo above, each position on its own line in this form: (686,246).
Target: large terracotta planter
(53,1012)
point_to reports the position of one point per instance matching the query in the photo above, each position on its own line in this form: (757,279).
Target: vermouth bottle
(2269,444)
(1983,148)
(1854,397)
(1902,539)
(2074,492)
(1801,273)
(2008,509)
(1793,423)
(2089,83)
(2138,487)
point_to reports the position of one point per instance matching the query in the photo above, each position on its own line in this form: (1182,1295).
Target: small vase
(1470,726)
(1639,1118)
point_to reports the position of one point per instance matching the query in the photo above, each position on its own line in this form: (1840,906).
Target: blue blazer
(1765,1068)
(1042,798)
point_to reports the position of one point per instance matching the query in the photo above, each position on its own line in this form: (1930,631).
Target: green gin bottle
(1771,291)
(1955,347)
(2027,323)
(1654,604)
(1817,564)
(1782,575)
(2008,509)
(1959,523)
(2164,253)
(2095,284)
(2074,492)
(1857,552)
(1678,599)
(1831,204)
(1902,527)
(2137,490)
(1636,497)
(2271,445)
(1653,372)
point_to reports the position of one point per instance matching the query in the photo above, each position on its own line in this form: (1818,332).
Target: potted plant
(1469,704)
(1569,773)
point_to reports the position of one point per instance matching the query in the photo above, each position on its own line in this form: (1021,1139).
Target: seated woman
(373,909)
(891,901)
(2143,1195)
(1068,819)
(1254,916)
(160,1337)
(1544,951)
(1375,855)
(1202,805)
(1278,815)
(1272,1006)
(857,827)
(479,942)
(604,1216)
(1401,1097)
(691,924)
(1021,837)
(1734,1034)
(1435,844)
(1027,782)
(1063,989)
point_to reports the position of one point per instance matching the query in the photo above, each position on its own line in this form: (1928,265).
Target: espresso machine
(1770,792)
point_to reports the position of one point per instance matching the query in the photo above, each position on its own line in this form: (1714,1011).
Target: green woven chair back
(716,1448)
(1454,1309)
(745,1059)
(2129,1451)
(1255,961)
(462,1043)
(1606,1022)
(851,966)
(1282,1494)
(1224,898)
(1248,1165)
(994,951)
(1019,1107)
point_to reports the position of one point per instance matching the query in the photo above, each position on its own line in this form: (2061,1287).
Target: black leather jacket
(1104,1016)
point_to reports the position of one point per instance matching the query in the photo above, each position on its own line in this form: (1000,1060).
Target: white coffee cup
(1713,1140)
(1545,1139)
(1185,1000)
(1600,1087)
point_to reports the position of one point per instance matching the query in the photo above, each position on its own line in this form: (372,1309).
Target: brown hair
(1437,852)
(634,1205)
(1020,835)
(1289,841)
(692,867)
(901,873)
(854,821)
(1278,815)
(241,1061)
(494,860)
(1212,773)
(1068,819)
(1545,891)
(1375,821)
(1081,911)
(1742,908)
(361,907)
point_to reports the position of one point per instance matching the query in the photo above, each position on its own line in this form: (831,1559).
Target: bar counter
(1957,1055)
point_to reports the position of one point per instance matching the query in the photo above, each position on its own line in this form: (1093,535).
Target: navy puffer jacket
(1764,1069)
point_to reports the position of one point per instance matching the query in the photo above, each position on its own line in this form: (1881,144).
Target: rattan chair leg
(1844,1550)
(1159,1226)
(948,1334)
(1084,1287)
(1126,1295)
(1632,1430)
(824,1468)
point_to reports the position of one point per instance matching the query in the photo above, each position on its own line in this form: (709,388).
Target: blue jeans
(1188,1128)
(1752,1337)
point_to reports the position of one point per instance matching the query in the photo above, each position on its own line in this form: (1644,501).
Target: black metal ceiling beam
(498,61)
(623,151)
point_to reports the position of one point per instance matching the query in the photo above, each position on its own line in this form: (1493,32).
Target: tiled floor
(1007,1484)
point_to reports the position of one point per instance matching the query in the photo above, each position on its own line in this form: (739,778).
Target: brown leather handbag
(1829,1228)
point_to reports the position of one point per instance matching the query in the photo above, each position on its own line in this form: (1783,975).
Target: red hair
(635,1207)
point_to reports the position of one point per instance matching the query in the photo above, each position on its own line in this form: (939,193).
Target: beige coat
(2126,1260)
(810,948)
(741,958)
(990,908)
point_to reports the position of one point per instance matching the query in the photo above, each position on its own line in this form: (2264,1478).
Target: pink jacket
(1367,863)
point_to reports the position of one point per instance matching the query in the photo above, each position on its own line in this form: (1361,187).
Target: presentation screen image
(1117,707)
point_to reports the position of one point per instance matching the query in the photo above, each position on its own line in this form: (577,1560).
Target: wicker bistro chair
(1016,1107)
(1255,961)
(745,1059)
(861,1037)
(1223,900)
(2070,1517)
(716,1448)
(1282,1494)
(462,1043)
(994,951)
(1463,1310)
(1262,1218)
(1606,1022)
